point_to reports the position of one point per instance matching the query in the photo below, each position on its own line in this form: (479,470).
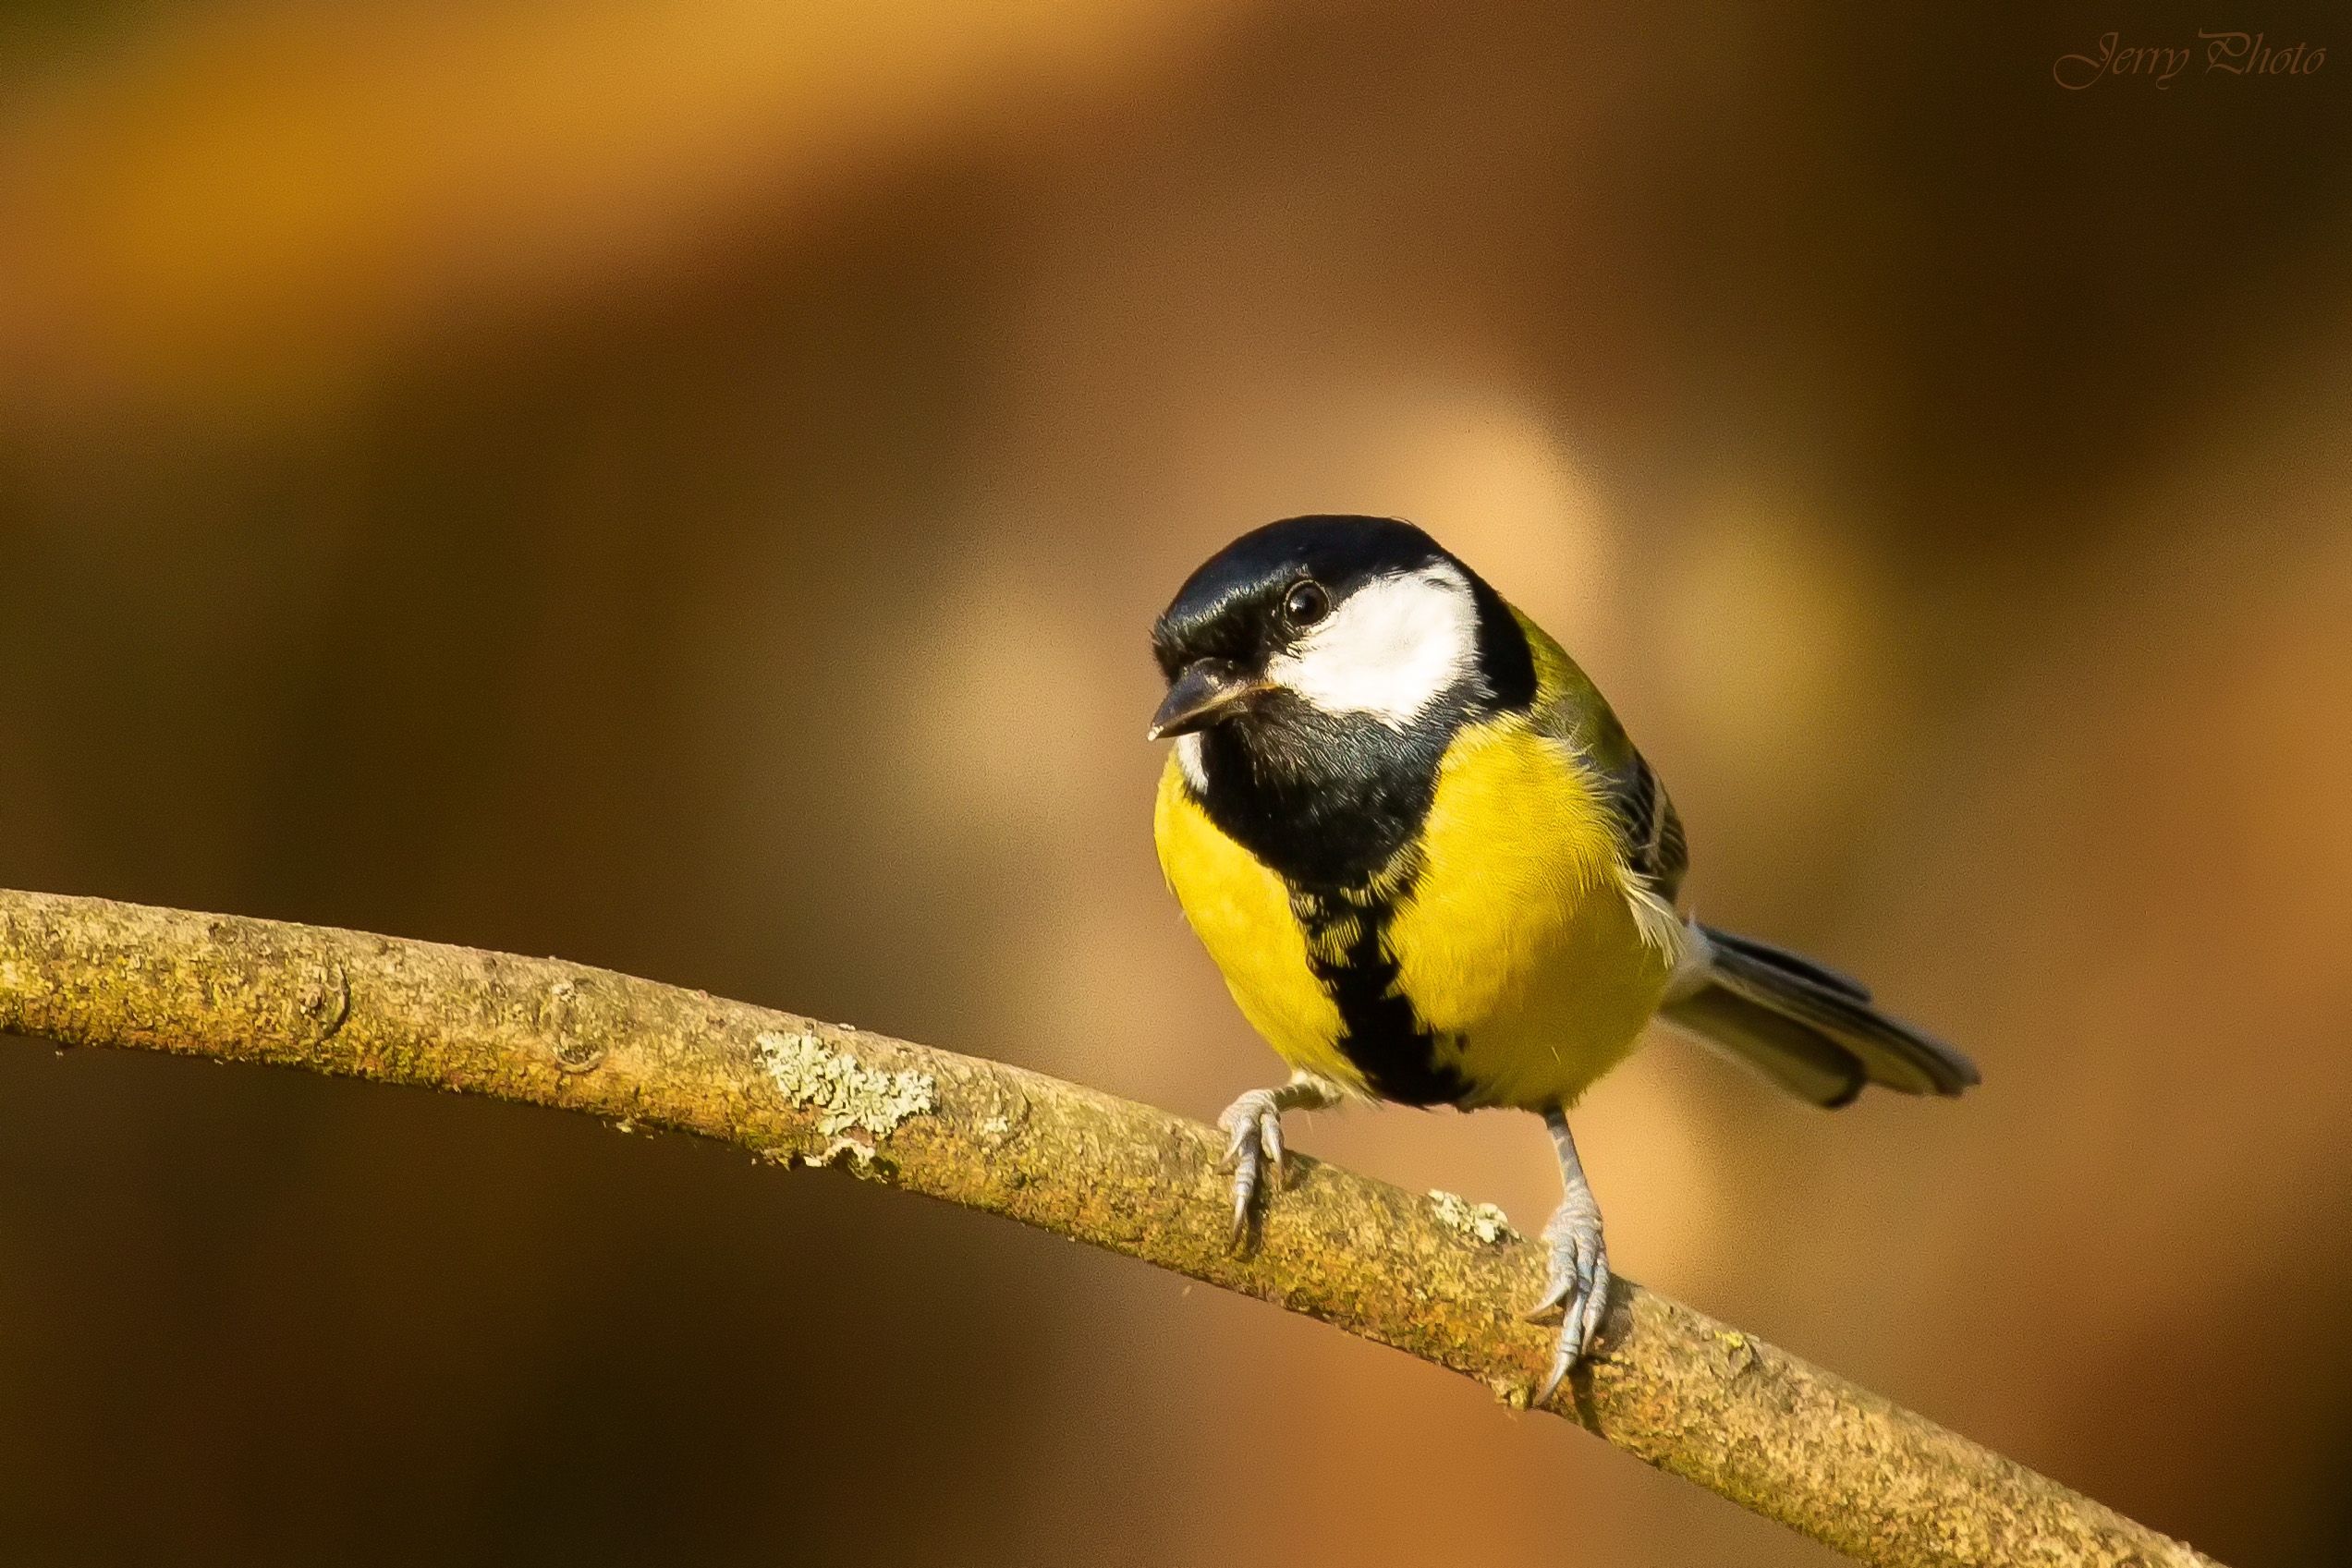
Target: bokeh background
(681,485)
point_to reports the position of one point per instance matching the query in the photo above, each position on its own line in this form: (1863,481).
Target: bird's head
(1318,622)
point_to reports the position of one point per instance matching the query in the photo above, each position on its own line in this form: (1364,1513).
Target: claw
(1254,1155)
(1577,1291)
(1245,1191)
(1561,1362)
(1596,1305)
(1245,1156)
(1253,1123)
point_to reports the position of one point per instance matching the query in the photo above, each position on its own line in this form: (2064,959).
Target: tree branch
(1433,1278)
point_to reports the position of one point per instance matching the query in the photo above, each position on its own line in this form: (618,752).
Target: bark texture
(1435,1277)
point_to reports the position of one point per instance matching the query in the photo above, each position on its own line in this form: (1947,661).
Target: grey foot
(1254,1123)
(1578,1288)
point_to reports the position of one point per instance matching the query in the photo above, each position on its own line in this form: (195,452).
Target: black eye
(1305,605)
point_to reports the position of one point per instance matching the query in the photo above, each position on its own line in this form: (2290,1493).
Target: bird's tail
(1808,1028)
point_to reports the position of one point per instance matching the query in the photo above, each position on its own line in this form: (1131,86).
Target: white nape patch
(1391,649)
(1187,755)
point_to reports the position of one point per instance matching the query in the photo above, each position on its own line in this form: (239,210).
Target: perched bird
(1433,869)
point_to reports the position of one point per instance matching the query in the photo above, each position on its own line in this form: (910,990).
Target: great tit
(1433,869)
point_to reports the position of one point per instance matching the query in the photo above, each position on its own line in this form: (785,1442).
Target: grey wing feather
(1652,831)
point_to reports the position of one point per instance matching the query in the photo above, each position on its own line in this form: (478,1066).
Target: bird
(1432,870)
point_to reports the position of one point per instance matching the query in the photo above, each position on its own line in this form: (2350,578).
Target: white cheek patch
(1390,649)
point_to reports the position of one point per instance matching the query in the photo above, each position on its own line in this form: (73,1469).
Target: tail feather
(1784,1050)
(1781,958)
(1809,1028)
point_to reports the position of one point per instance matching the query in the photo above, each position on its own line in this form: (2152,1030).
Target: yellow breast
(1517,944)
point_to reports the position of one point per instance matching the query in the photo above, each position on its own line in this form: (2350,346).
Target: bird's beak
(1200,695)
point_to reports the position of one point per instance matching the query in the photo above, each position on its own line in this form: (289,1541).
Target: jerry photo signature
(2231,54)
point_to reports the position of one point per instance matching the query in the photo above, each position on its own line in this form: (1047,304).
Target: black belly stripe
(1380,1032)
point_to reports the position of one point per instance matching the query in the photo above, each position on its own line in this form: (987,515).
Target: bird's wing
(1570,709)
(1654,849)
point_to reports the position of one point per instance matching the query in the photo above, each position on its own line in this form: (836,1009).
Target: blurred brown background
(681,485)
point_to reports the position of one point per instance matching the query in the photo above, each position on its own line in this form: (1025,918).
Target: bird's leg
(1254,1123)
(1579,1289)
